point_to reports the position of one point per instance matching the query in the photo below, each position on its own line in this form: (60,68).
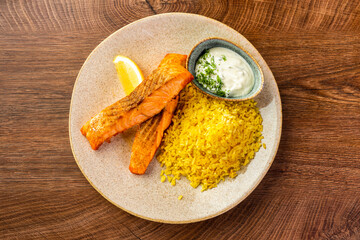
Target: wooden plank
(312,189)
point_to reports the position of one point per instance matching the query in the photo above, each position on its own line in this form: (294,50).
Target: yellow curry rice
(209,139)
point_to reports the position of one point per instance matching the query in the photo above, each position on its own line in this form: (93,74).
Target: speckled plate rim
(195,219)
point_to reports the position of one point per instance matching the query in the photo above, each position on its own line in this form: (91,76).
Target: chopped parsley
(207,74)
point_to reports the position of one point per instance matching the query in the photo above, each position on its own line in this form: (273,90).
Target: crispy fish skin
(148,138)
(147,100)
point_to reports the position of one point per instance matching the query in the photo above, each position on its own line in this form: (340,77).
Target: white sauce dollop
(233,70)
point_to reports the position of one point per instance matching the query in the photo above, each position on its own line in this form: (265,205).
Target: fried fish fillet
(147,100)
(148,138)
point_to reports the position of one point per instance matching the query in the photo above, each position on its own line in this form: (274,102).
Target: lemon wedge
(128,72)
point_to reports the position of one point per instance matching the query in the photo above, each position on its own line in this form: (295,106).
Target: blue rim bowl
(209,43)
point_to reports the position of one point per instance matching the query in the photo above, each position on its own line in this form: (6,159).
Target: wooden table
(312,190)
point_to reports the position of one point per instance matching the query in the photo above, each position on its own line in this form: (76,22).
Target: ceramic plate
(146,42)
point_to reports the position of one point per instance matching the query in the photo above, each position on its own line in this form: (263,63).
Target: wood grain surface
(312,190)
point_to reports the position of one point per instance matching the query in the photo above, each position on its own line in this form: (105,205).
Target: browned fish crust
(148,138)
(147,100)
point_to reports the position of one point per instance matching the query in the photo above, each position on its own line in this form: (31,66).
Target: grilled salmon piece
(147,100)
(148,138)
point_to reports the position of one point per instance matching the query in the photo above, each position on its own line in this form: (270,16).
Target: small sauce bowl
(209,43)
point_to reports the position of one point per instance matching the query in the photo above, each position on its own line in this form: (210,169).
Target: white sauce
(233,70)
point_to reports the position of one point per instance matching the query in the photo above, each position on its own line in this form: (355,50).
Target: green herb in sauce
(208,75)
(224,73)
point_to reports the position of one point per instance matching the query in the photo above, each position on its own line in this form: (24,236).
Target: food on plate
(224,73)
(147,100)
(210,139)
(148,138)
(128,72)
